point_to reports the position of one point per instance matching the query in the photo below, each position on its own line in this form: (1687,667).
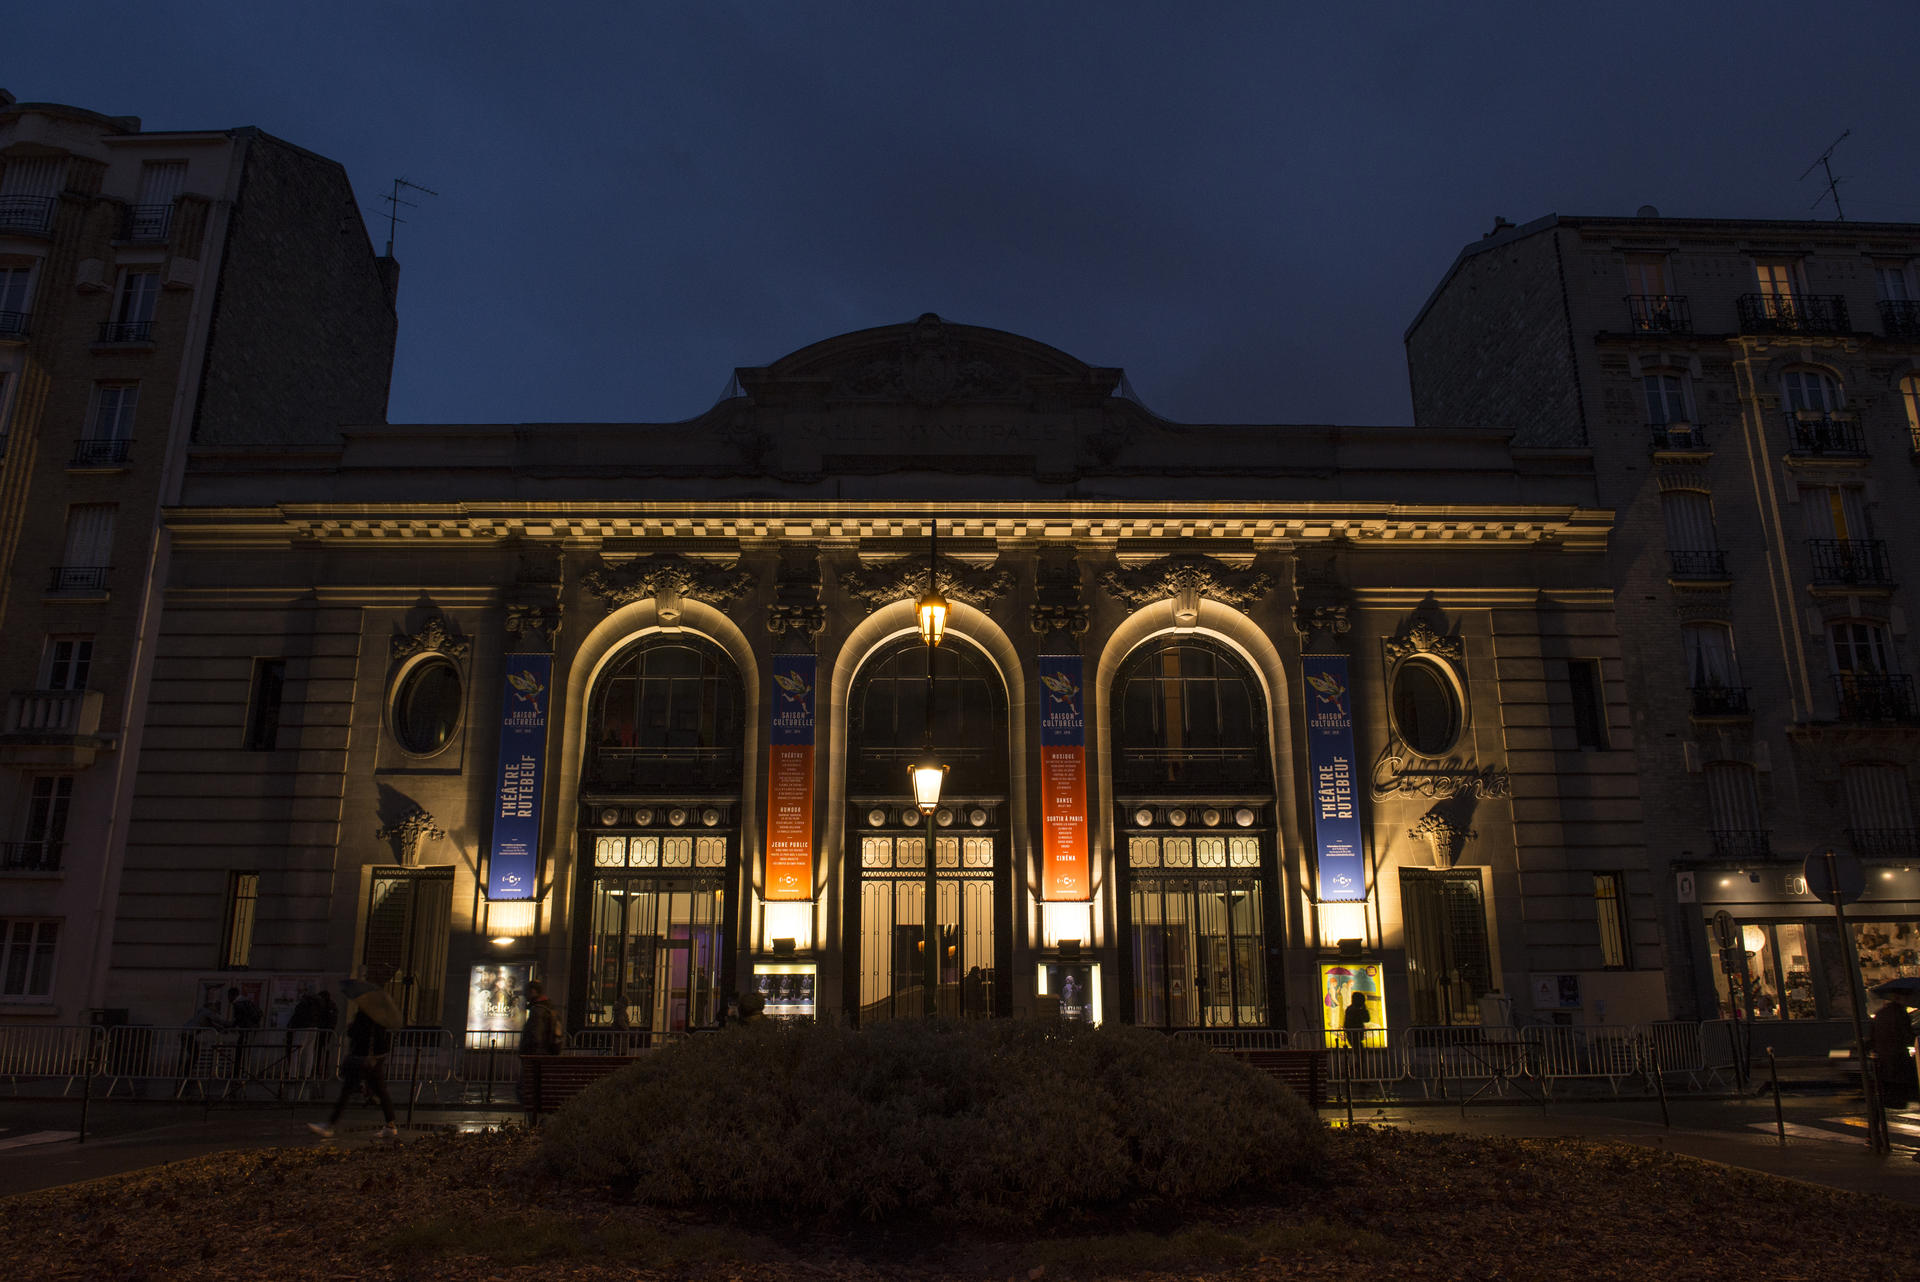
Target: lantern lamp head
(932,612)
(928,776)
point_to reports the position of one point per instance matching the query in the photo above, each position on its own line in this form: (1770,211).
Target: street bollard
(1779,1114)
(413,1087)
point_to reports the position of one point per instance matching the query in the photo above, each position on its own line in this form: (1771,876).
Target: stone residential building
(159,290)
(1237,720)
(1750,395)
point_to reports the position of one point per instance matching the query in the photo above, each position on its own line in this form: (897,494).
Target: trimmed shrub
(994,1124)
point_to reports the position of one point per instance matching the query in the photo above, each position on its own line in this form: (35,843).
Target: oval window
(426,709)
(1426,711)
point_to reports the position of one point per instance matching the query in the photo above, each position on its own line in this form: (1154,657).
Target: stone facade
(1750,392)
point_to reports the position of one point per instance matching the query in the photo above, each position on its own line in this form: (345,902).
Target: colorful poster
(1340,983)
(1336,802)
(789,872)
(497,997)
(513,867)
(1063,779)
(787,988)
(1071,984)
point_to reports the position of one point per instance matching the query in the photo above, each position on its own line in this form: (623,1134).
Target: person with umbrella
(1892,1036)
(369,1038)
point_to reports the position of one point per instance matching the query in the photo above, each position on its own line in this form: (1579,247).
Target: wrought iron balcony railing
(1875,696)
(79,578)
(1885,843)
(1698,565)
(26,213)
(1900,317)
(1793,314)
(1677,436)
(30,856)
(14,324)
(618,771)
(1163,769)
(101,451)
(126,331)
(1660,313)
(1824,434)
(1742,843)
(1721,701)
(147,222)
(1860,562)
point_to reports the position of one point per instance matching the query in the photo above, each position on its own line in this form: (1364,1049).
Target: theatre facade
(1236,720)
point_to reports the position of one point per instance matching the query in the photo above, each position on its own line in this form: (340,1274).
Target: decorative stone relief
(1447,837)
(407,834)
(796,615)
(906,578)
(533,625)
(1186,577)
(931,368)
(433,638)
(1321,625)
(1057,606)
(1421,638)
(1394,776)
(667,576)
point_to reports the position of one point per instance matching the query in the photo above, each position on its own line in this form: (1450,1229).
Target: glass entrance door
(654,957)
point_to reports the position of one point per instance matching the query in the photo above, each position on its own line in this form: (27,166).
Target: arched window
(1195,800)
(1810,391)
(667,712)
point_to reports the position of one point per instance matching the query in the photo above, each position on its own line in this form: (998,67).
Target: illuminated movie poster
(1072,984)
(1339,981)
(1063,779)
(790,778)
(514,865)
(1336,800)
(497,997)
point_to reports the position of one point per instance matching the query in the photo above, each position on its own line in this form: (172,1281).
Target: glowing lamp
(933,617)
(1754,937)
(503,941)
(927,778)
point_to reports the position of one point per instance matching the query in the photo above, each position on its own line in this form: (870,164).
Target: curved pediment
(929,362)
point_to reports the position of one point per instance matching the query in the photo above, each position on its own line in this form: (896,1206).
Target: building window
(1733,807)
(16,300)
(1860,648)
(6,409)
(426,706)
(1426,708)
(1778,282)
(1834,512)
(667,714)
(1910,401)
(46,831)
(1449,965)
(28,188)
(1190,715)
(113,408)
(236,940)
(68,661)
(1588,692)
(1710,658)
(1689,521)
(1880,810)
(1890,277)
(1667,399)
(133,308)
(28,968)
(152,212)
(89,552)
(1610,907)
(263,705)
(1811,391)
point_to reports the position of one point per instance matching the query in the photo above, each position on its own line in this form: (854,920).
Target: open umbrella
(375,1001)
(1904,989)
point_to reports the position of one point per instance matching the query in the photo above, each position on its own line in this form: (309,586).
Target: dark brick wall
(303,326)
(1492,349)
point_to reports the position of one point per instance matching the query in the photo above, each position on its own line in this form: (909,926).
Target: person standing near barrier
(541,1034)
(369,1038)
(1355,1020)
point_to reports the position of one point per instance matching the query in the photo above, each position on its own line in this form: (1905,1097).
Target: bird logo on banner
(1329,689)
(793,686)
(1061,688)
(526,686)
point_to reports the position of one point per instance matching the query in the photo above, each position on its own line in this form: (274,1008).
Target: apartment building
(160,292)
(1749,393)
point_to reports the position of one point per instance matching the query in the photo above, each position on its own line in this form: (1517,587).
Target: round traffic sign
(1835,876)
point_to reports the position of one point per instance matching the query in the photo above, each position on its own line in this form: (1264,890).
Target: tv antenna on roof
(1833,184)
(393,206)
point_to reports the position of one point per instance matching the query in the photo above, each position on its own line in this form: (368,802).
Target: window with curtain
(1710,658)
(1834,512)
(1860,647)
(1812,390)
(1733,805)
(1879,801)
(1667,398)
(1689,520)
(1610,911)
(1910,401)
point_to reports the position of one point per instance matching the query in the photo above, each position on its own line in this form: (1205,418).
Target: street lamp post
(928,774)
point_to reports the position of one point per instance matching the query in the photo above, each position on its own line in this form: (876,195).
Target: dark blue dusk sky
(1241,204)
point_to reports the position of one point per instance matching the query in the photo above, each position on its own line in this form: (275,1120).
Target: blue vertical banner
(513,866)
(1336,803)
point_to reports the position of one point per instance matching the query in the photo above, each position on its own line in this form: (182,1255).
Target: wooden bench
(1304,1071)
(548,1081)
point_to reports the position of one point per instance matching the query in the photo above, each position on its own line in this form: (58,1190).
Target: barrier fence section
(47,1053)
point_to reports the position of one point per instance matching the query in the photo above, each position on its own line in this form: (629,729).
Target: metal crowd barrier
(1239,1039)
(46,1053)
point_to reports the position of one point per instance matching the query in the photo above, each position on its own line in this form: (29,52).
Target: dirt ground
(1392,1205)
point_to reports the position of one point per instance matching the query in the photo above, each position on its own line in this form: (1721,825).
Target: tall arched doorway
(886,856)
(660,836)
(1193,789)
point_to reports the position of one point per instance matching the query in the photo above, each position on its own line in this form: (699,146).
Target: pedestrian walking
(541,1034)
(1356,1019)
(369,1039)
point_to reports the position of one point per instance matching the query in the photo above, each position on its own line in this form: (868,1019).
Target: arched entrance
(660,811)
(1194,801)
(886,855)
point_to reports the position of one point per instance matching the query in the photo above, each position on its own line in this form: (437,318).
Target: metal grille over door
(406,944)
(1448,967)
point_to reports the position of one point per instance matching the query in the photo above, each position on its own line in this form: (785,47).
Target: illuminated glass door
(654,957)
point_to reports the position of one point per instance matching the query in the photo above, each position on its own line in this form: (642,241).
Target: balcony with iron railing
(1710,564)
(1677,438)
(51,729)
(1877,697)
(126,332)
(26,213)
(1660,313)
(1711,702)
(14,324)
(1742,843)
(147,222)
(1900,317)
(30,856)
(1836,435)
(620,771)
(1793,314)
(79,579)
(1885,843)
(101,451)
(1850,562)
